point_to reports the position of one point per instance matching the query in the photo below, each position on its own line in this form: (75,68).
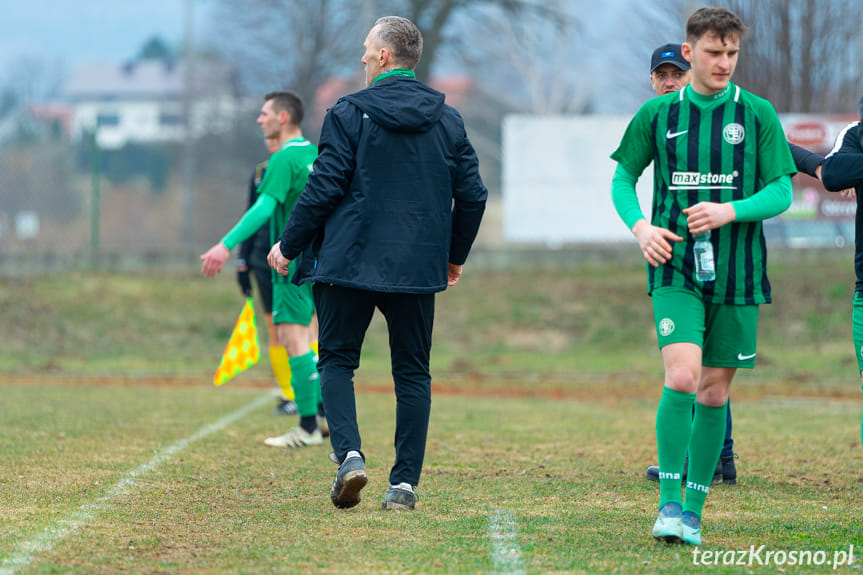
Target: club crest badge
(733,133)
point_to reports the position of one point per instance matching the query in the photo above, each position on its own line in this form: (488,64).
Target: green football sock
(861,426)
(306,383)
(708,434)
(673,427)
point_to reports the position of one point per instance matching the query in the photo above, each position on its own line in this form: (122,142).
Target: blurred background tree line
(509,56)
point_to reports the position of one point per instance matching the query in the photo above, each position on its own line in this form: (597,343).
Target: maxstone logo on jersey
(699,180)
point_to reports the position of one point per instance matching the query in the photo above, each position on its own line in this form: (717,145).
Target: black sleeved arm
(328,183)
(804,160)
(843,166)
(246,246)
(469,195)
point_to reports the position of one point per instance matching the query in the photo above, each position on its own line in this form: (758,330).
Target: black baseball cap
(668,54)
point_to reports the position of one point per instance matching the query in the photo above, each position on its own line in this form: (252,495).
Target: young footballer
(669,72)
(721,165)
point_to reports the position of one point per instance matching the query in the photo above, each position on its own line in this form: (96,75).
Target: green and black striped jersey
(716,148)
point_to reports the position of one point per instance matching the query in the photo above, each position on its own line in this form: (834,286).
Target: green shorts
(292,303)
(726,334)
(857,328)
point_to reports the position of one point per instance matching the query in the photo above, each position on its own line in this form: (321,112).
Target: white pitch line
(503,539)
(26,551)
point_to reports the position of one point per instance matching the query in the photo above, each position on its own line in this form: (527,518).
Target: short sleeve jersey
(285,179)
(717,149)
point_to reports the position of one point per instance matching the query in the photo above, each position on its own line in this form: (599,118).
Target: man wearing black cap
(669,71)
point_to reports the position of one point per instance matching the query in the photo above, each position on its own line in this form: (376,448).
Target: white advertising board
(557,179)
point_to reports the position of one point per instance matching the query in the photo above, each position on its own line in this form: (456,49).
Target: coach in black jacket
(387,219)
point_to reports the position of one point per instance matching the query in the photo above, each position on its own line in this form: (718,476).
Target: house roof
(148,79)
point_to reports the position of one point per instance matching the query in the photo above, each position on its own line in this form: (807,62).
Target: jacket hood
(400,104)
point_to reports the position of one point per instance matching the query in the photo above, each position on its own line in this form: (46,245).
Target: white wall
(557,179)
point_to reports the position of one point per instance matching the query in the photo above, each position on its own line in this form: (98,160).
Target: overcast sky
(71,33)
(76,32)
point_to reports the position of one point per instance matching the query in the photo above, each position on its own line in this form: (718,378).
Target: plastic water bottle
(705,266)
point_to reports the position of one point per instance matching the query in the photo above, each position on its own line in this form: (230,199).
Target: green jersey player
(284,181)
(721,166)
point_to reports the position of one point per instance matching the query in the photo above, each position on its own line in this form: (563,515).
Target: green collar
(293,141)
(708,102)
(707,99)
(396,72)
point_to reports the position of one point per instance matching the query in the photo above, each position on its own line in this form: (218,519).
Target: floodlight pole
(188,136)
(95,193)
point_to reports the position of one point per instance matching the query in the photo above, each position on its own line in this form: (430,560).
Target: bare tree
(523,65)
(32,79)
(304,42)
(530,64)
(288,44)
(802,55)
(436,18)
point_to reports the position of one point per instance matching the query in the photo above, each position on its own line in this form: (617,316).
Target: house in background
(142,101)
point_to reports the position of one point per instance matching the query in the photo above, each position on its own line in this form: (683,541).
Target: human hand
(655,242)
(849,194)
(214,258)
(277,261)
(706,216)
(453,273)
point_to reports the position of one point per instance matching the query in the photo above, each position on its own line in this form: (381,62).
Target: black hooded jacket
(395,193)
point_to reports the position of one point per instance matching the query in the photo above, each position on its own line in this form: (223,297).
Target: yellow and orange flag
(242,351)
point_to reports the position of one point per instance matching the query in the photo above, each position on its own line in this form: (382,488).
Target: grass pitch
(119,456)
(120,478)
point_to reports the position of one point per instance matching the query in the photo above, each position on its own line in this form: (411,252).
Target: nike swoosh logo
(671,135)
(741,357)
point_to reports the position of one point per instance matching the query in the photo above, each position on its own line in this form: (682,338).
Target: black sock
(308,423)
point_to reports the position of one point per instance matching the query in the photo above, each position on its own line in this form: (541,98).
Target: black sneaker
(400,497)
(350,479)
(285,407)
(729,471)
(652,472)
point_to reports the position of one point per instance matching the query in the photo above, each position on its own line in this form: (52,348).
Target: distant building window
(109,119)
(170,119)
